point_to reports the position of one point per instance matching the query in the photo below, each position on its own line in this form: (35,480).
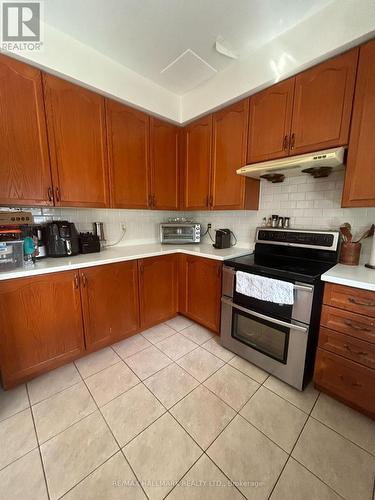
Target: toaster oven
(180,232)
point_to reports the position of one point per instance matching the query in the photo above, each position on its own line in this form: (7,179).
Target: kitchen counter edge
(353,276)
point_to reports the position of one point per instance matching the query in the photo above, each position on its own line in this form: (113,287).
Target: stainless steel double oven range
(279,338)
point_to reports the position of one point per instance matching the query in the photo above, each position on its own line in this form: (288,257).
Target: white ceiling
(146,36)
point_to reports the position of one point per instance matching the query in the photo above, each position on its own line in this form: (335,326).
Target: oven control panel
(294,237)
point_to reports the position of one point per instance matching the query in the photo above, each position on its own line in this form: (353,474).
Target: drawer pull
(358,353)
(358,328)
(361,303)
(354,384)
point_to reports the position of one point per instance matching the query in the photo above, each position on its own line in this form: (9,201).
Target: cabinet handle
(358,328)
(57,194)
(153,201)
(50,193)
(207,201)
(358,353)
(360,302)
(149,201)
(292,140)
(84,280)
(76,281)
(211,201)
(141,269)
(286,143)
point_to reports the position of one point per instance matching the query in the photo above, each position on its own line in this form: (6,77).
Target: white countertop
(354,276)
(119,254)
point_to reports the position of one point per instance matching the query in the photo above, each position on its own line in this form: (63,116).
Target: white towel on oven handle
(268,289)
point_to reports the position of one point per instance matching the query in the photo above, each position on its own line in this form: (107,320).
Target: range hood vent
(328,160)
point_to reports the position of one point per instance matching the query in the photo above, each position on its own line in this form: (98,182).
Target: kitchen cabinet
(128,152)
(164,157)
(41,324)
(77,139)
(109,302)
(270,117)
(200,290)
(359,187)
(230,191)
(24,159)
(158,289)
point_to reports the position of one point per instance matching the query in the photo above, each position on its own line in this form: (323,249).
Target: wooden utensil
(366,234)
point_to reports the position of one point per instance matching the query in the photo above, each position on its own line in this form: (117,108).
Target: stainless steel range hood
(293,165)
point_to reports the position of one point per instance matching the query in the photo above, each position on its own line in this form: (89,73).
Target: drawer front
(356,325)
(349,347)
(349,381)
(351,299)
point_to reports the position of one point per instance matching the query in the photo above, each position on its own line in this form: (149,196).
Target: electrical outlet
(209,226)
(123,226)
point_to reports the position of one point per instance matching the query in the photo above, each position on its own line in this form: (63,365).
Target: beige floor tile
(197,333)
(111,382)
(205,481)
(17,437)
(171,384)
(231,386)
(148,362)
(214,346)
(297,483)
(97,361)
(245,454)
(350,423)
(158,333)
(52,382)
(111,481)
(73,454)
(203,415)
(24,479)
(163,452)
(176,346)
(275,417)
(342,465)
(131,413)
(130,346)
(249,369)
(57,413)
(304,400)
(200,363)
(179,323)
(13,401)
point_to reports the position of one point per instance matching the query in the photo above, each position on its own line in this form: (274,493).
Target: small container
(275,218)
(280,223)
(286,222)
(350,254)
(11,255)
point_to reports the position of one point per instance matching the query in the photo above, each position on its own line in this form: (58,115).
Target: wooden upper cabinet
(359,188)
(270,121)
(164,139)
(197,149)
(228,155)
(25,176)
(322,107)
(77,138)
(128,152)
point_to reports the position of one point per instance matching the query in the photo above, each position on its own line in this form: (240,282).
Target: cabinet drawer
(356,325)
(349,347)
(351,299)
(348,381)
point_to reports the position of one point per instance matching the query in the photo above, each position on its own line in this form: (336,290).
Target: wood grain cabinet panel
(350,299)
(77,138)
(322,107)
(359,188)
(40,323)
(110,303)
(356,325)
(128,152)
(158,289)
(270,121)
(25,175)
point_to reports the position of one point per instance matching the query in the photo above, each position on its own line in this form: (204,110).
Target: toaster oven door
(176,234)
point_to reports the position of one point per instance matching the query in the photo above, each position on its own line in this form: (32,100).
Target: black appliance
(279,338)
(223,238)
(62,239)
(89,243)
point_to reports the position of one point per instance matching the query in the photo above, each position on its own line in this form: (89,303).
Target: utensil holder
(350,254)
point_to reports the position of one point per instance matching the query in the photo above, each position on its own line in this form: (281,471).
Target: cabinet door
(128,151)
(359,188)
(197,163)
(76,130)
(323,100)
(110,302)
(157,289)
(200,290)
(40,323)
(164,165)
(24,160)
(229,154)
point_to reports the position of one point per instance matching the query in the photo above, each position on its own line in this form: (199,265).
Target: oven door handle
(302,329)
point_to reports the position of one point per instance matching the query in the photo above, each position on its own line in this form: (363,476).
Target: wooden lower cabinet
(40,324)
(109,302)
(200,290)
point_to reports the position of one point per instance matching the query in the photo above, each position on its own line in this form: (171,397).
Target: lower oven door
(277,346)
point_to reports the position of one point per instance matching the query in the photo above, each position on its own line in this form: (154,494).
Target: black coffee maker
(223,238)
(62,239)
